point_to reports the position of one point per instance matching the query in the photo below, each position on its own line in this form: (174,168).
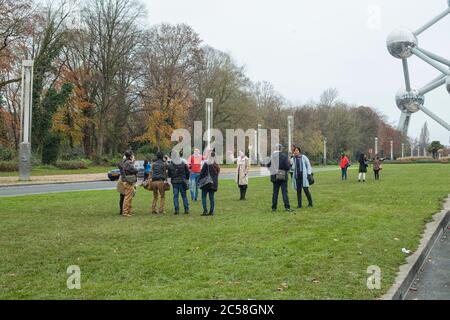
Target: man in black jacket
(128,178)
(279,168)
(179,176)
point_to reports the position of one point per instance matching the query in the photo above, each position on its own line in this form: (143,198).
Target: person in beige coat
(243,168)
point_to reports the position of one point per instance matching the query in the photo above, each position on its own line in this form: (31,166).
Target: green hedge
(8,166)
(71,165)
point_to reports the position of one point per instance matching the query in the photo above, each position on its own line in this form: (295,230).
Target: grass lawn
(244,252)
(53,171)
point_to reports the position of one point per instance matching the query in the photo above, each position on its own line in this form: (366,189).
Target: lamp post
(209,120)
(26,118)
(376,146)
(403,150)
(290,132)
(325,141)
(258,142)
(392,150)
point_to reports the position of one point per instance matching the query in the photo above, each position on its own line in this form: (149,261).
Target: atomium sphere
(400,42)
(447,82)
(409,101)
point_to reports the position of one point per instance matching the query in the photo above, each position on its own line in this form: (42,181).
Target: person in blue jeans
(195,166)
(210,168)
(178,173)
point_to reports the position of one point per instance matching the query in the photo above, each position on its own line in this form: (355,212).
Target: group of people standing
(197,173)
(363,167)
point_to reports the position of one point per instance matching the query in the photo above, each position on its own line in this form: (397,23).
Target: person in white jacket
(302,173)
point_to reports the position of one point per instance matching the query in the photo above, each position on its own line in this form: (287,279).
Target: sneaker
(211,214)
(288,210)
(187,212)
(205,213)
(274,210)
(176,213)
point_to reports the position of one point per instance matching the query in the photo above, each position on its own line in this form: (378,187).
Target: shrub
(8,166)
(71,165)
(50,151)
(6,154)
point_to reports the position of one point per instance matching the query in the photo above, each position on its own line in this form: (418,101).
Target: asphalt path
(26,190)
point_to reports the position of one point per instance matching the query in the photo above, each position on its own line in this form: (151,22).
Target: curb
(49,182)
(409,271)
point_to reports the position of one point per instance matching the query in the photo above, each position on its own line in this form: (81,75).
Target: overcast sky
(306,46)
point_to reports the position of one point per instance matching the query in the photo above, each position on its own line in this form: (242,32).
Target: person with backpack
(159,179)
(302,176)
(127,183)
(178,173)
(279,168)
(344,165)
(209,183)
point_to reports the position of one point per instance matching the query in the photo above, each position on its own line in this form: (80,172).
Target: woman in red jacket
(345,163)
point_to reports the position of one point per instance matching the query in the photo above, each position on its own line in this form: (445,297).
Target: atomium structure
(402,44)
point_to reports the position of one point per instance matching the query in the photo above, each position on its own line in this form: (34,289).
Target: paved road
(95,186)
(433,283)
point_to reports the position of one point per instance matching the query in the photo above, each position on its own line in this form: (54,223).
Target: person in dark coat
(179,176)
(279,168)
(363,164)
(127,181)
(159,177)
(212,168)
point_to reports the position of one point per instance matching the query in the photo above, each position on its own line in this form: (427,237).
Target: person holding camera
(279,168)
(127,183)
(302,176)
(344,164)
(159,177)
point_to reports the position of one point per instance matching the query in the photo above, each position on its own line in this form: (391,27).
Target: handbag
(166,186)
(280,175)
(206,180)
(311,180)
(147,184)
(131,179)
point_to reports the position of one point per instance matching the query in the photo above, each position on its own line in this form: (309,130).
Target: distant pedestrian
(147,169)
(195,162)
(209,183)
(159,177)
(377,167)
(363,164)
(302,173)
(279,167)
(127,183)
(179,176)
(344,165)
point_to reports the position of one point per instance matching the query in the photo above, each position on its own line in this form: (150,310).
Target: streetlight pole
(258,143)
(392,150)
(209,120)
(376,146)
(403,150)
(26,118)
(325,151)
(290,132)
